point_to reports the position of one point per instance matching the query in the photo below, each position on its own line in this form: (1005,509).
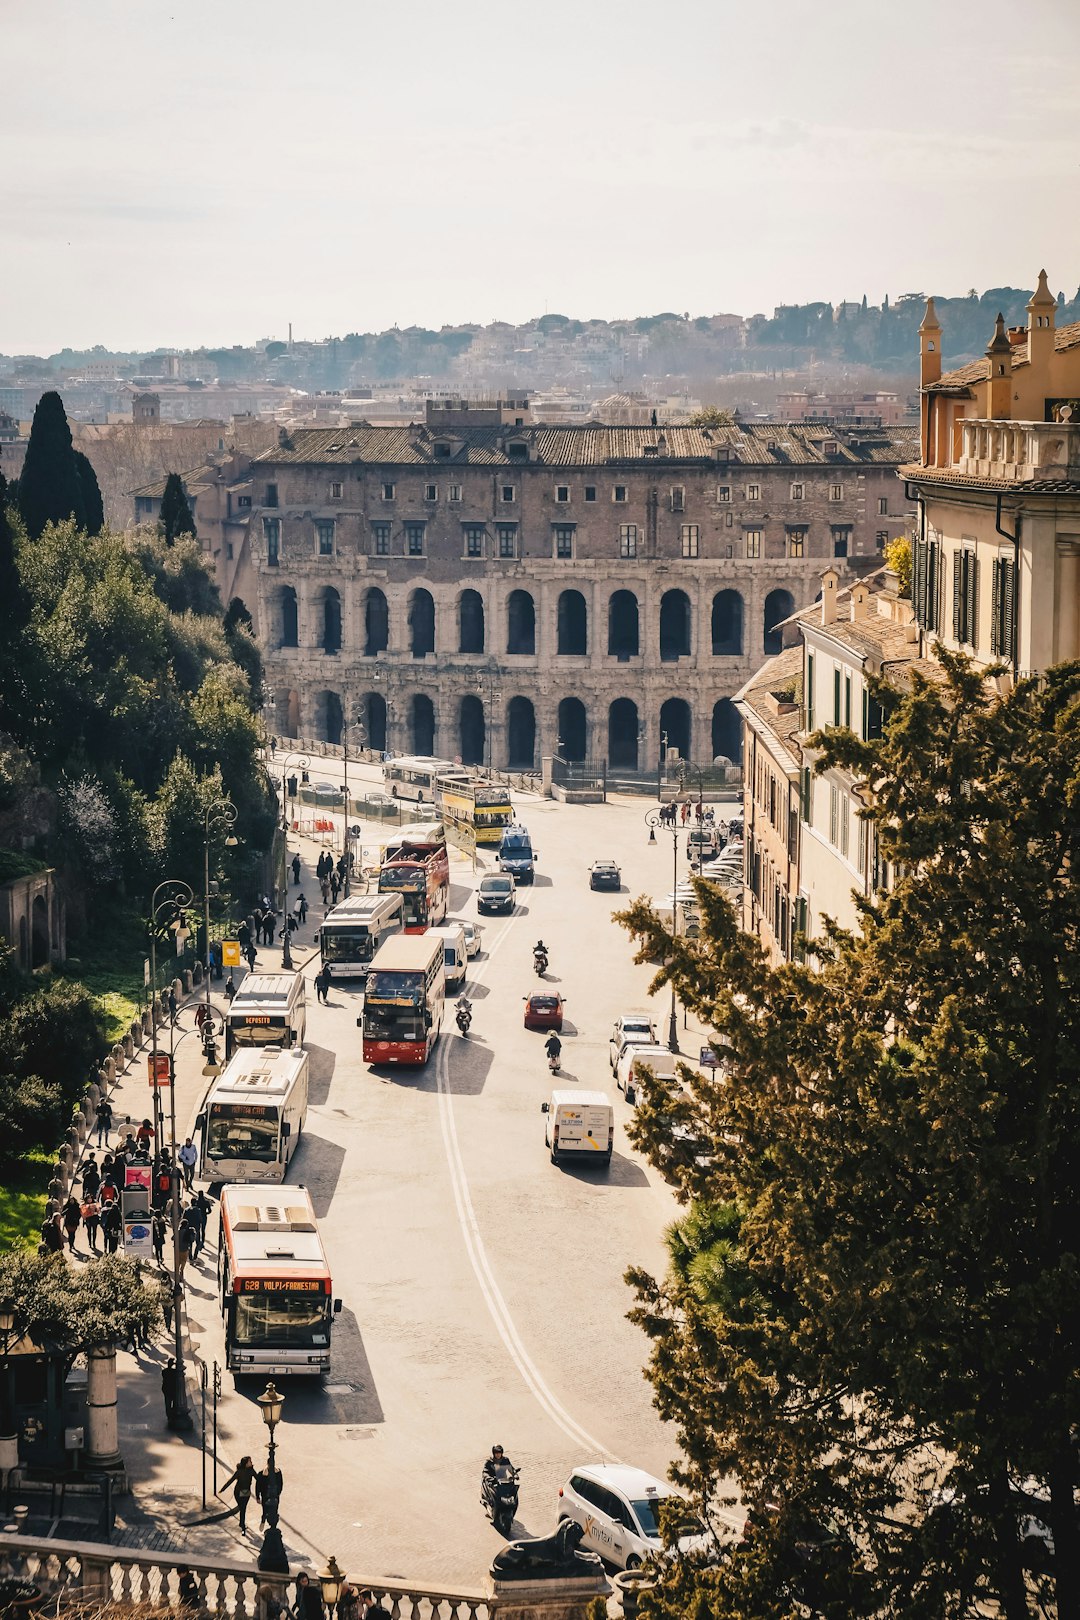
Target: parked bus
(253,1114)
(269,1009)
(352,932)
(418,868)
(481,808)
(413,776)
(403,1000)
(274,1282)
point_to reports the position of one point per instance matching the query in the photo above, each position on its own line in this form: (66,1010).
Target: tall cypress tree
(49,487)
(176,518)
(93,505)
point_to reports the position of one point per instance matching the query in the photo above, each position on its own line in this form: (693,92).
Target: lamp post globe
(272,1556)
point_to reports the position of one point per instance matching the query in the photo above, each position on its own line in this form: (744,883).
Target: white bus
(413,776)
(352,932)
(269,1009)
(252,1116)
(274,1282)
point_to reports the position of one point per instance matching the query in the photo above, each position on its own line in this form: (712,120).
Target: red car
(544,1011)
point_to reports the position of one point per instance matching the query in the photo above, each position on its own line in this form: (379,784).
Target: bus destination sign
(280,1285)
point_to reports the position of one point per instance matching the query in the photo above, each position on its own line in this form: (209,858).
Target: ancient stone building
(502,591)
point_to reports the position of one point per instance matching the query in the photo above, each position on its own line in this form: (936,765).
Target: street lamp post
(221,813)
(331,1579)
(9,1437)
(303,762)
(361,731)
(488,678)
(272,1557)
(163,913)
(652,817)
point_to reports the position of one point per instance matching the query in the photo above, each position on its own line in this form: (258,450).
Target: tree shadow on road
(317,1166)
(321,1063)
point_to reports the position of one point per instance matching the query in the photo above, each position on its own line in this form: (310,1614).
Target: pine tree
(49,487)
(93,506)
(176,518)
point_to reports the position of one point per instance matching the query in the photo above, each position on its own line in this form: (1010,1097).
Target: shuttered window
(1003,609)
(965,596)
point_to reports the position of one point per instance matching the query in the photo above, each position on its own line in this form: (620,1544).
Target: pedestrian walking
(187,1590)
(129,1148)
(72,1217)
(163,1180)
(302,903)
(322,984)
(324,887)
(273,747)
(335,885)
(167,1289)
(243,935)
(172,1006)
(202,1013)
(144,1137)
(52,1235)
(168,1388)
(271,920)
(262,1485)
(90,1178)
(230,988)
(251,956)
(112,1223)
(309,1600)
(184,1241)
(188,1156)
(108,1192)
(296,868)
(243,1482)
(157,1234)
(297,911)
(91,1219)
(103,1120)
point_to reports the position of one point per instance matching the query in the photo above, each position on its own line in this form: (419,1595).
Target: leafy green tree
(178,573)
(176,518)
(93,506)
(237,614)
(711,416)
(71,1309)
(49,487)
(872,1322)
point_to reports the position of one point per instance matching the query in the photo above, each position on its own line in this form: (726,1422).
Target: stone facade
(32,920)
(498,590)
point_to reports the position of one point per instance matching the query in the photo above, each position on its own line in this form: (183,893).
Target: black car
(604,875)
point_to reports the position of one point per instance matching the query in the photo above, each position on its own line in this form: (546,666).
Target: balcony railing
(1020,452)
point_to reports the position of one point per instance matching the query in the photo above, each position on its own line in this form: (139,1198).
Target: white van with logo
(579,1125)
(455,956)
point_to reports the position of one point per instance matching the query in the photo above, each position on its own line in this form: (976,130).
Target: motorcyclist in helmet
(553,1046)
(540,949)
(497,1462)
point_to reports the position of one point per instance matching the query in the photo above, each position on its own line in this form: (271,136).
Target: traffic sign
(230,952)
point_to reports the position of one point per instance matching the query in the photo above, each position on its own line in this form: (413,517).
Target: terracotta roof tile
(1065,337)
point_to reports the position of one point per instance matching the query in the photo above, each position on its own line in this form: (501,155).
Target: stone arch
(675,724)
(286,617)
(520,623)
(376,622)
(726,731)
(373,713)
(674,626)
(470,622)
(421,623)
(573,729)
(329,603)
(624,628)
(727,625)
(779,605)
(328,717)
(572,625)
(287,712)
(623,734)
(39,932)
(472,730)
(422,724)
(520,734)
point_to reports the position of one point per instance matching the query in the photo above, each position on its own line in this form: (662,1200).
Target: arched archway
(623,734)
(675,725)
(287,617)
(573,729)
(520,734)
(573,625)
(421,623)
(726,731)
(674,626)
(287,713)
(376,622)
(779,605)
(329,620)
(373,714)
(470,622)
(520,623)
(328,717)
(39,932)
(472,730)
(624,634)
(422,724)
(727,625)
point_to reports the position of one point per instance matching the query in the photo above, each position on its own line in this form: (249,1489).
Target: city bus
(274,1283)
(352,932)
(417,867)
(269,1009)
(481,808)
(252,1116)
(403,1000)
(413,776)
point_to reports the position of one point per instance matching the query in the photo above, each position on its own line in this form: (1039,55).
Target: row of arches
(726,624)
(624,729)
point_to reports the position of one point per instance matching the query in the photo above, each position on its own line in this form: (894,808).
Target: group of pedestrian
(247,1481)
(679,812)
(331,875)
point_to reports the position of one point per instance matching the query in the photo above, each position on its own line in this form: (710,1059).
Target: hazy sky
(208,170)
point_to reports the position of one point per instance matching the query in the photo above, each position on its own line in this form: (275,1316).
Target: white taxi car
(632,1029)
(619,1510)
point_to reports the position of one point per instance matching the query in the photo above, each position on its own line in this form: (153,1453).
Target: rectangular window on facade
(228,551)
(1003,609)
(847,701)
(272,536)
(845,824)
(388,491)
(810,694)
(689,539)
(871,717)
(796,542)
(442,450)
(753,543)
(590,493)
(723,494)
(678,498)
(243,501)
(797,491)
(628,540)
(431,492)
(453,493)
(881,539)
(834,815)
(507,494)
(564,539)
(806,794)
(836,694)
(336,490)
(380,539)
(562,494)
(324,536)
(474,539)
(841,539)
(926,583)
(860,845)
(753,492)
(618,493)
(414,539)
(836,492)
(965,595)
(883,506)
(271,495)
(506,534)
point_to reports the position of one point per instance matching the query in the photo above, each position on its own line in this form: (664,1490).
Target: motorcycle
(554,1061)
(464,1017)
(499,1494)
(540,962)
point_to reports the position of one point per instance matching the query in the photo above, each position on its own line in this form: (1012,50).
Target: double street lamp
(359,727)
(303,762)
(220,813)
(656,819)
(487,681)
(272,1556)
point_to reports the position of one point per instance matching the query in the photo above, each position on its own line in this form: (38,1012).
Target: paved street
(482,1287)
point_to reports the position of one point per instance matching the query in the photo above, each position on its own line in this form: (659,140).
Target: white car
(632,1029)
(618,1508)
(660,1059)
(472,931)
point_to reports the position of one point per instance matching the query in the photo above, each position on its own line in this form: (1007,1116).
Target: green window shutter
(933,585)
(918,579)
(836,696)
(958,596)
(1010,591)
(809,691)
(805,792)
(996,606)
(847,701)
(971,601)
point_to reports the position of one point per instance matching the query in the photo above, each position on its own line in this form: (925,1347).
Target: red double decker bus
(403,1000)
(417,867)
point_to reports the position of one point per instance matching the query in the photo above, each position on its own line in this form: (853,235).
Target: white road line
(493,1297)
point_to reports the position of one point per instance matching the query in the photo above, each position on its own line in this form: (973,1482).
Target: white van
(660,1059)
(455,957)
(579,1125)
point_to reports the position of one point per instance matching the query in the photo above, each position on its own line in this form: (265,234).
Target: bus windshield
(402,986)
(403,878)
(340,944)
(384,1022)
(242,1131)
(289,1321)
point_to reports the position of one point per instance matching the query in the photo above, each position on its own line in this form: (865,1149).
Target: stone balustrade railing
(72,1573)
(1019,451)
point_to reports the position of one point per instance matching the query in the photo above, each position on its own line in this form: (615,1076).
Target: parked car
(472,931)
(632,1029)
(379,804)
(544,1010)
(620,1510)
(605,875)
(496,893)
(660,1059)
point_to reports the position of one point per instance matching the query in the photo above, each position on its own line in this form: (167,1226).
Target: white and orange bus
(403,999)
(274,1283)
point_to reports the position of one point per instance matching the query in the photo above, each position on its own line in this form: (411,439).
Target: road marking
(493,1297)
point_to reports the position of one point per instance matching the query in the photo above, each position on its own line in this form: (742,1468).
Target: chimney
(1042,308)
(999,354)
(829,581)
(860,601)
(929,346)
